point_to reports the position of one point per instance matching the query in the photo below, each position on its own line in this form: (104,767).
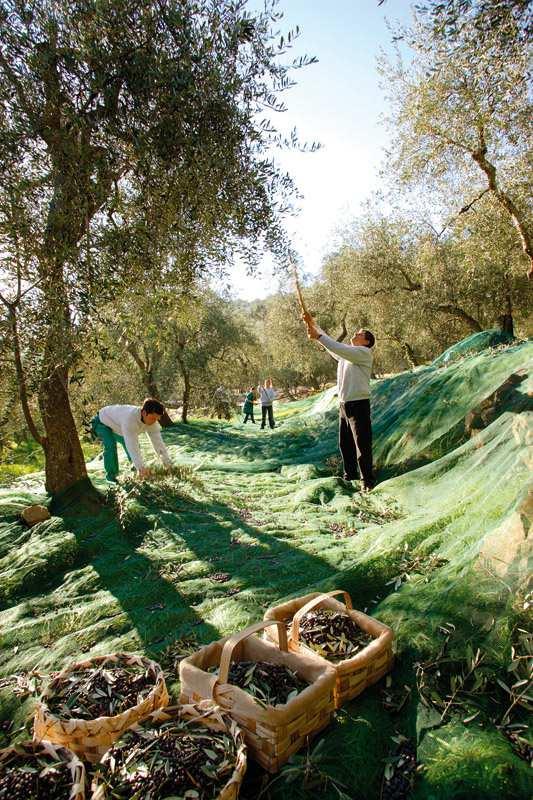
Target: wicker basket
(353,674)
(91,738)
(213,718)
(47,750)
(272,733)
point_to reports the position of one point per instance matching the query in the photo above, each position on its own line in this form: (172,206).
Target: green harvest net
(472,345)
(252,517)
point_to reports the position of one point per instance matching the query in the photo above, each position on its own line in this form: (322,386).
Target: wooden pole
(301,302)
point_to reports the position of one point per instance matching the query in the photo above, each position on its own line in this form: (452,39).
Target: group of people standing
(266,395)
(223,404)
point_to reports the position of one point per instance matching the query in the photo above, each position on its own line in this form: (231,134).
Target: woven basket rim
(43,707)
(193,712)
(31,747)
(386,632)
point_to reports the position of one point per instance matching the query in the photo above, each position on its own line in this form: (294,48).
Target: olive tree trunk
(185,374)
(64,459)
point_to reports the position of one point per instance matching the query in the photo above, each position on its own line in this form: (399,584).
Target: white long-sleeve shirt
(267,396)
(127,422)
(353,370)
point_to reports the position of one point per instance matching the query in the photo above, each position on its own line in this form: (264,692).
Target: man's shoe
(367,487)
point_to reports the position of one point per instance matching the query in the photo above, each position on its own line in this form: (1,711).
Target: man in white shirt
(121,423)
(267,395)
(353,384)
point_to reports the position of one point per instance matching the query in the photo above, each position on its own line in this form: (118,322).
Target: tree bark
(458,312)
(187,384)
(77,196)
(506,319)
(409,355)
(480,157)
(343,334)
(407,352)
(147,374)
(64,459)
(185,398)
(21,378)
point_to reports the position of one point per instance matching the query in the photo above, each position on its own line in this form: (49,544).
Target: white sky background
(337,102)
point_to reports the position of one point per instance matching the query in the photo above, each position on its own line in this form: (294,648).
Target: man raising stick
(123,424)
(353,386)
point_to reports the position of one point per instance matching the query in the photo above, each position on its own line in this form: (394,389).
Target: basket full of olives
(40,771)
(191,751)
(88,705)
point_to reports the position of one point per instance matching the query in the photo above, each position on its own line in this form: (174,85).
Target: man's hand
(312,330)
(144,473)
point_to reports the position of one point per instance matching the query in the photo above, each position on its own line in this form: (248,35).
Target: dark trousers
(264,411)
(355,440)
(249,415)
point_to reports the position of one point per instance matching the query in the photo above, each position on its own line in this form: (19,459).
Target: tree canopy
(132,146)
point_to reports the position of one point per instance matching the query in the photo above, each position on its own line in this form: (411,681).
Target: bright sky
(337,102)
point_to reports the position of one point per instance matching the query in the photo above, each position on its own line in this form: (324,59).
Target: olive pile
(270,684)
(168,761)
(35,779)
(332,634)
(101,691)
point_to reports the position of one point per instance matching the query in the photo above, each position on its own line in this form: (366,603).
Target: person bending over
(354,368)
(122,423)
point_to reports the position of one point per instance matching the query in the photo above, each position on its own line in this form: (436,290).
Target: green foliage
(25,456)
(459,115)
(418,293)
(475,763)
(288,355)
(115,115)
(306,774)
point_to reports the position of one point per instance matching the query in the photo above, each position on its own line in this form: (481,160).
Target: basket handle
(295,628)
(233,641)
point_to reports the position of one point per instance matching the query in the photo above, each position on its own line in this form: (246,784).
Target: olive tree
(114,107)
(460,110)
(183,343)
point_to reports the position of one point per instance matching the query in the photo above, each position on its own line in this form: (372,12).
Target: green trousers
(109,439)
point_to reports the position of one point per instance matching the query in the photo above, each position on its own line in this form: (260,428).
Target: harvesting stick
(305,313)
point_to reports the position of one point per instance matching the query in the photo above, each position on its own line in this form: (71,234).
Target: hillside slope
(439,551)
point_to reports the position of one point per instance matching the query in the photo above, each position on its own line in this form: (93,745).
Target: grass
(443,545)
(23,458)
